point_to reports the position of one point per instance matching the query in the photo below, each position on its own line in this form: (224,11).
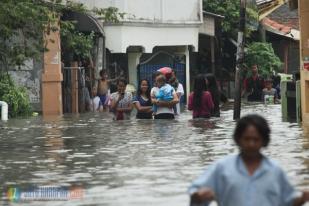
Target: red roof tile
(276,26)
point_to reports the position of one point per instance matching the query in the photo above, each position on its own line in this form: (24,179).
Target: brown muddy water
(135,162)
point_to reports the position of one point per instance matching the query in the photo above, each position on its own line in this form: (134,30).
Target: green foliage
(16,97)
(78,43)
(262,54)
(110,14)
(23,22)
(230,10)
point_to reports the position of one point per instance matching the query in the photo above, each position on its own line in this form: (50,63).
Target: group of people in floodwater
(247,178)
(257,89)
(162,101)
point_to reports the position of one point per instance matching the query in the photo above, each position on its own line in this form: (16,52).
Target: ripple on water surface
(135,162)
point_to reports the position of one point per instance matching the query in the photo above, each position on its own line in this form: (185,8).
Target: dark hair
(162,78)
(103,71)
(173,70)
(139,91)
(123,80)
(213,89)
(258,122)
(199,88)
(154,75)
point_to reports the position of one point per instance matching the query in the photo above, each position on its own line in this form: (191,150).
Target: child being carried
(165,92)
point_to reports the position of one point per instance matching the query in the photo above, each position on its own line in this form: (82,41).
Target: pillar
(187,53)
(133,61)
(100,57)
(303,7)
(74,88)
(52,76)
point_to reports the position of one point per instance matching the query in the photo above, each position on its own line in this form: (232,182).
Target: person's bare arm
(169,104)
(114,103)
(302,200)
(126,109)
(140,108)
(202,195)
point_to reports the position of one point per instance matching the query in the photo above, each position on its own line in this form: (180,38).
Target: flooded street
(134,162)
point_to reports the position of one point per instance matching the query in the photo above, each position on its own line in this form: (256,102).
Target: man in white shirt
(179,90)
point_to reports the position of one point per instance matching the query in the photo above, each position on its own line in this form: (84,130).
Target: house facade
(153,34)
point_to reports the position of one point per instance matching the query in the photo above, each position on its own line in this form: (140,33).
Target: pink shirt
(205,108)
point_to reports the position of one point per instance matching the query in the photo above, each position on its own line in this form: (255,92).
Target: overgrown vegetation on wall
(16,97)
(23,24)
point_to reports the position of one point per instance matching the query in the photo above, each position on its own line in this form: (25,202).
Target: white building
(150,29)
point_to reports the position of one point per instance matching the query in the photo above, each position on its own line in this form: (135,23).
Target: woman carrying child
(142,101)
(164,98)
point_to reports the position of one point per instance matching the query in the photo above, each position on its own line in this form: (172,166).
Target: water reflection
(138,162)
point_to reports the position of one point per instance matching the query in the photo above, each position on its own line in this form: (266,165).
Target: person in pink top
(200,101)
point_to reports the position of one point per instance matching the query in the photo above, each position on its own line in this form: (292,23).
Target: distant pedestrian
(178,88)
(164,108)
(253,85)
(165,93)
(269,93)
(95,104)
(142,101)
(103,88)
(121,101)
(212,87)
(200,101)
(248,178)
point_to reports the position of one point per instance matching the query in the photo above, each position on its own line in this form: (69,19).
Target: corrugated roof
(260,2)
(265,7)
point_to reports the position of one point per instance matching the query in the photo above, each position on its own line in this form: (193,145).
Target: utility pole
(239,59)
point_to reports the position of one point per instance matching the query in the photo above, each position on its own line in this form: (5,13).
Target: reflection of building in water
(54,143)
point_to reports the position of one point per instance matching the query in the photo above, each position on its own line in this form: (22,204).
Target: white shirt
(95,104)
(161,110)
(124,103)
(180,92)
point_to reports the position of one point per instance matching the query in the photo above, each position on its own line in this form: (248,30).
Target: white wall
(153,10)
(119,38)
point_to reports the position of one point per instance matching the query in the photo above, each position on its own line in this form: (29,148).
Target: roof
(283,15)
(213,15)
(266,7)
(283,22)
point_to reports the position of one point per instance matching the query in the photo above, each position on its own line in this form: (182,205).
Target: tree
(23,22)
(22,26)
(263,55)
(230,10)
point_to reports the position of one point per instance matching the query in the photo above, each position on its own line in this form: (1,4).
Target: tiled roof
(276,26)
(284,16)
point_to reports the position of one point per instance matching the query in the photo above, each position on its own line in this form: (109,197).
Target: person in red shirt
(254,85)
(200,101)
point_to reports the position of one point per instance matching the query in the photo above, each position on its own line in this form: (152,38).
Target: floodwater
(133,163)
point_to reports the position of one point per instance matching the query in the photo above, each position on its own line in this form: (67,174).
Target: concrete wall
(153,10)
(29,76)
(119,38)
